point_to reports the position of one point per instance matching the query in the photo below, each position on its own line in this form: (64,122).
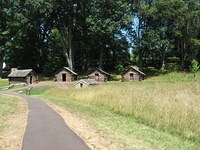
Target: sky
(4,65)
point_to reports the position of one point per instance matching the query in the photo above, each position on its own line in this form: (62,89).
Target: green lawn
(14,87)
(3,82)
(8,106)
(175,77)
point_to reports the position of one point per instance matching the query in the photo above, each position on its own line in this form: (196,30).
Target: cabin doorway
(64,77)
(97,77)
(131,76)
(31,80)
(81,85)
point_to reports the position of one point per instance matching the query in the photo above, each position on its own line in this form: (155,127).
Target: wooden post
(28,90)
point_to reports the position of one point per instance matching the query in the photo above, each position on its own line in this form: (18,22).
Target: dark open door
(131,76)
(81,85)
(97,77)
(31,79)
(64,78)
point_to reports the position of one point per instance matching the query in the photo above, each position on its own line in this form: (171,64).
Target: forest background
(111,34)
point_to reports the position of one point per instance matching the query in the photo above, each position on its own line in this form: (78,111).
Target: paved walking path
(46,130)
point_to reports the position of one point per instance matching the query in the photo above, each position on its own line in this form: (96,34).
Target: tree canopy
(47,34)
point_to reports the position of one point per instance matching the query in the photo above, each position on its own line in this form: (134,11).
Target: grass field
(163,112)
(13,116)
(13,112)
(3,82)
(8,106)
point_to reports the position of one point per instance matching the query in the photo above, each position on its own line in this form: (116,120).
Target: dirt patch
(94,138)
(12,136)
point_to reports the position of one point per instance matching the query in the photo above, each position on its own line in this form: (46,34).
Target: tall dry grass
(172,107)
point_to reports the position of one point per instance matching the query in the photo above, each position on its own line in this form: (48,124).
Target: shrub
(194,67)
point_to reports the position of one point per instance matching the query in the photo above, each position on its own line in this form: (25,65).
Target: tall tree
(108,19)
(177,24)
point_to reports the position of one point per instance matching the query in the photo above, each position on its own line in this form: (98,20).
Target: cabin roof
(88,81)
(136,69)
(20,73)
(69,70)
(101,71)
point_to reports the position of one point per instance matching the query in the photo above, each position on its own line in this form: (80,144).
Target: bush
(172,66)
(120,68)
(194,67)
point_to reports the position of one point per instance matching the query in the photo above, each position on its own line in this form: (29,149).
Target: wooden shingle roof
(136,69)
(20,73)
(88,81)
(101,71)
(67,69)
(70,71)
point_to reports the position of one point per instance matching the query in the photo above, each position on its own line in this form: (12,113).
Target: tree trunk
(182,54)
(163,61)
(163,53)
(1,64)
(180,48)
(101,59)
(66,31)
(70,62)
(67,45)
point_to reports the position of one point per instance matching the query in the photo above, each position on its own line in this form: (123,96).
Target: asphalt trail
(46,129)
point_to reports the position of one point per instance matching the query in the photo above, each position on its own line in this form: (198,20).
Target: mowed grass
(8,106)
(3,82)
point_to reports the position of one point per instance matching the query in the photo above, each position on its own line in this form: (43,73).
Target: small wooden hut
(132,74)
(85,83)
(26,76)
(99,75)
(66,75)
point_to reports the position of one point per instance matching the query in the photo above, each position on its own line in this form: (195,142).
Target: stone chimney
(13,69)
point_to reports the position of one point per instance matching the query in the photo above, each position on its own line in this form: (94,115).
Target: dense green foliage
(195,67)
(46,34)
(168,31)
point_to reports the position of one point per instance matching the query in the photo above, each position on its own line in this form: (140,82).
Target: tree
(195,67)
(107,20)
(176,22)
(3,32)
(47,34)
